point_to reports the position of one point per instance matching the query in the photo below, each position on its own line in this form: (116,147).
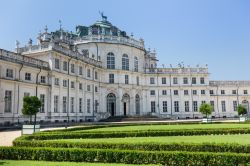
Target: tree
(241,110)
(31,105)
(205,109)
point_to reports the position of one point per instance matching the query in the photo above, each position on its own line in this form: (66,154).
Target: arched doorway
(245,104)
(137,104)
(111,100)
(125,101)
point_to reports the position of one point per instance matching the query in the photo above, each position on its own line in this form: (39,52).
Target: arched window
(136,64)
(125,62)
(110,61)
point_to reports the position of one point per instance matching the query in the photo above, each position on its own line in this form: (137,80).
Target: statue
(104,18)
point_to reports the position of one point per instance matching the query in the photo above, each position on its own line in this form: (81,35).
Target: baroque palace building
(99,71)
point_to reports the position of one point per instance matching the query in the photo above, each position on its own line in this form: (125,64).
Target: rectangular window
(235,105)
(152,80)
(194,92)
(8,101)
(65,66)
(185,92)
(80,104)
(88,73)
(9,73)
(203,102)
(175,80)
(165,106)
(56,81)
(211,92)
(222,92)
(111,78)
(176,92)
(26,94)
(185,80)
(80,86)
(195,106)
(96,75)
(152,106)
(163,80)
(80,70)
(126,79)
(193,80)
(137,81)
(72,105)
(96,89)
(57,63)
(88,105)
(152,92)
(186,106)
(64,104)
(27,76)
(72,84)
(223,106)
(245,92)
(176,106)
(96,105)
(43,79)
(72,66)
(56,103)
(203,92)
(164,92)
(202,80)
(234,92)
(65,83)
(88,88)
(42,99)
(212,105)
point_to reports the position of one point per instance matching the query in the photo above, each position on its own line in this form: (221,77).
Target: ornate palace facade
(100,71)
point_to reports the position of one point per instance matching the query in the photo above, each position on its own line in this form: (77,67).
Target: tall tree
(31,105)
(241,110)
(205,109)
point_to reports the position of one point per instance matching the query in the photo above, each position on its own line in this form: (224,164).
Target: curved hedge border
(204,147)
(124,156)
(148,133)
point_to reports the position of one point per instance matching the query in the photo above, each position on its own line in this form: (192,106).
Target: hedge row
(148,133)
(204,147)
(124,156)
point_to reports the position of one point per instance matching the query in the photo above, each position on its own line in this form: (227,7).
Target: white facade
(99,72)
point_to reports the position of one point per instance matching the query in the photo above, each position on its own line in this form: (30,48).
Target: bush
(148,133)
(124,156)
(204,147)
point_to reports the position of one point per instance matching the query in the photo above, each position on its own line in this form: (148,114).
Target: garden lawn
(48,163)
(168,127)
(238,139)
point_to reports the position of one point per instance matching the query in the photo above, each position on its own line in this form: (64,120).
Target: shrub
(205,147)
(124,156)
(147,133)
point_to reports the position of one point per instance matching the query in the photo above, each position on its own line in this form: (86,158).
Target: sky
(195,32)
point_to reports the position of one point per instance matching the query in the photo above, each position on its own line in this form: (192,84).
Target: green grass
(48,163)
(169,127)
(236,139)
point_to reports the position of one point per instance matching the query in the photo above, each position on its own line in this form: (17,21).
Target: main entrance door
(125,108)
(111,100)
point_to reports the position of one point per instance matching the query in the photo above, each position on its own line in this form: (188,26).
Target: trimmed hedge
(124,156)
(204,147)
(147,133)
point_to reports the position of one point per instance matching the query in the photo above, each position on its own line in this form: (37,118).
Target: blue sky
(213,32)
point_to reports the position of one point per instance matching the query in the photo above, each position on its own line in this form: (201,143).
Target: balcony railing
(229,83)
(17,58)
(111,39)
(176,71)
(74,54)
